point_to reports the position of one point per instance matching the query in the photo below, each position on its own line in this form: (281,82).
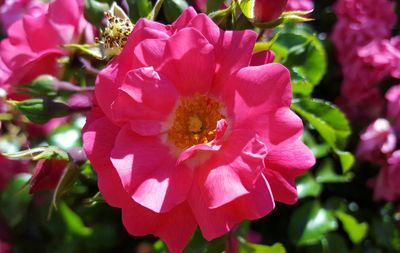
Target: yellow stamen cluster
(115,35)
(195,121)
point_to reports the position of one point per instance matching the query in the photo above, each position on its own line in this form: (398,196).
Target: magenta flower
(300,5)
(377,142)
(386,185)
(26,54)
(13,10)
(393,106)
(186,133)
(359,23)
(383,56)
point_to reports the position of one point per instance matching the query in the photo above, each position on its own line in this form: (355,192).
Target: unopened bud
(268,10)
(41,110)
(48,86)
(47,174)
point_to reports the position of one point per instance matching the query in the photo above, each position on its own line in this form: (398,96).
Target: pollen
(195,121)
(115,34)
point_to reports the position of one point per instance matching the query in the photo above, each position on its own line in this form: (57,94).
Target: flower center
(195,121)
(115,34)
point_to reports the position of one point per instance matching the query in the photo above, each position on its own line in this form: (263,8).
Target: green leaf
(319,149)
(94,11)
(160,247)
(214,5)
(334,243)
(262,46)
(307,186)
(356,231)
(156,9)
(305,58)
(310,222)
(73,221)
(139,9)
(258,248)
(326,118)
(174,8)
(15,199)
(247,7)
(326,174)
(347,160)
(93,201)
(94,50)
(199,245)
(67,180)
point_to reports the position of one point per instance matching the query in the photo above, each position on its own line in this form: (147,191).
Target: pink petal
(232,171)
(150,52)
(64,16)
(227,44)
(253,93)
(35,65)
(285,127)
(147,168)
(263,57)
(146,99)
(98,140)
(283,187)
(189,62)
(110,79)
(216,222)
(183,20)
(292,159)
(175,228)
(37,28)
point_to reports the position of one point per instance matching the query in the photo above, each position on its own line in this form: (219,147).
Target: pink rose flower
(13,10)
(359,23)
(26,54)
(300,5)
(393,106)
(186,133)
(386,185)
(383,56)
(377,142)
(46,175)
(365,19)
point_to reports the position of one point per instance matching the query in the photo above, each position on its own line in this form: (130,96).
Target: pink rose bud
(46,175)
(377,141)
(268,10)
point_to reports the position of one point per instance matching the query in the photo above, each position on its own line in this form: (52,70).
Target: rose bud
(268,10)
(46,174)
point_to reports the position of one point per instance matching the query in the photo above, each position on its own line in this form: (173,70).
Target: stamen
(195,121)
(115,34)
